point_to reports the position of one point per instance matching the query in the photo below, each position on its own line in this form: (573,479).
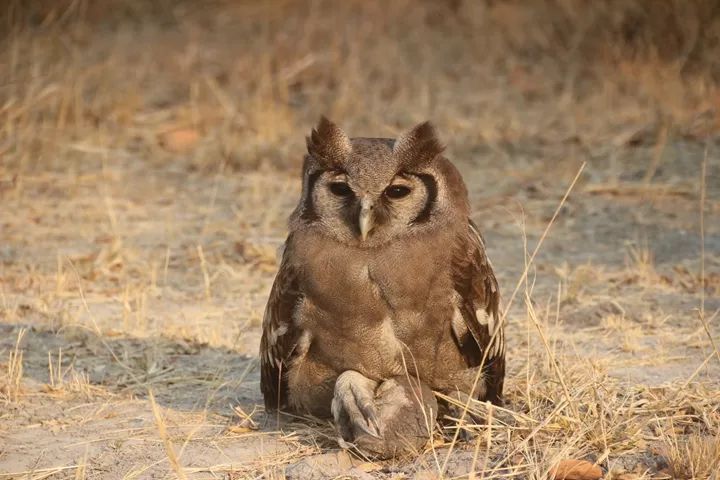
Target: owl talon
(353,406)
(371,429)
(373,422)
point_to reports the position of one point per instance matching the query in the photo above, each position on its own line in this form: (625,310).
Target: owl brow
(336,172)
(432,193)
(405,175)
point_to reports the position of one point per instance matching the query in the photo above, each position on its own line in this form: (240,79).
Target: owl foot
(396,419)
(353,406)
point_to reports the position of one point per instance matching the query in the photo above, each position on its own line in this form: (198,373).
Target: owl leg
(353,406)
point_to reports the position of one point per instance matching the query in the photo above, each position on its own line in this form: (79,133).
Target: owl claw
(353,406)
(373,424)
(372,428)
(370,413)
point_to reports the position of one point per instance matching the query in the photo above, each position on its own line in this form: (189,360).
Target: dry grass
(148,160)
(243,79)
(694,457)
(14,372)
(162,431)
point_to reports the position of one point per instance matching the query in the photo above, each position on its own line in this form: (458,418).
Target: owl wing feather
(479,295)
(279,335)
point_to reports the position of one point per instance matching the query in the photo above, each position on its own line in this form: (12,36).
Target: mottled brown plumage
(383,274)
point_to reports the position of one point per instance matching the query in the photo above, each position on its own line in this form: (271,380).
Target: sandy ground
(134,270)
(103,283)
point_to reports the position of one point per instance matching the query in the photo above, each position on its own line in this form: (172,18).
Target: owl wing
(478,331)
(279,335)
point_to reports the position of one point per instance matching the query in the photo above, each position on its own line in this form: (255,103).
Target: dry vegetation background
(149,155)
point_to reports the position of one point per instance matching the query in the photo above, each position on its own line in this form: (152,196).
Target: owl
(383,276)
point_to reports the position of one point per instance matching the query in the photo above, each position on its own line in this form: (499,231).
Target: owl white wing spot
(496,333)
(484,319)
(459,327)
(301,349)
(275,333)
(303,344)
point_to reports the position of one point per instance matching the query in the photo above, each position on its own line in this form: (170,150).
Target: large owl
(383,275)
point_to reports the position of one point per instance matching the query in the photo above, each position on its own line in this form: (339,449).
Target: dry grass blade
(39,473)
(167,442)
(640,190)
(203,268)
(551,357)
(703,320)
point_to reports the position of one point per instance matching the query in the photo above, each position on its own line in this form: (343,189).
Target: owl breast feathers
(383,274)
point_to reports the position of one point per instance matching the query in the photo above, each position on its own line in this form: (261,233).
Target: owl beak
(366,217)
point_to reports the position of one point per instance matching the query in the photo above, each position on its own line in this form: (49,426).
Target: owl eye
(397,191)
(341,189)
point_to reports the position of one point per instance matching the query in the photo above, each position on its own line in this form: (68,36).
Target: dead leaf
(238,429)
(575,470)
(179,140)
(246,423)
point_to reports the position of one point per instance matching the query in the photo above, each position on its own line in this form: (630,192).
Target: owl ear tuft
(418,146)
(328,144)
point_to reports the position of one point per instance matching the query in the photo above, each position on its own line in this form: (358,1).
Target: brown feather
(279,336)
(477,286)
(328,144)
(418,146)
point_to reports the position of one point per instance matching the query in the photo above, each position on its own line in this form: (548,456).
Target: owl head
(366,192)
